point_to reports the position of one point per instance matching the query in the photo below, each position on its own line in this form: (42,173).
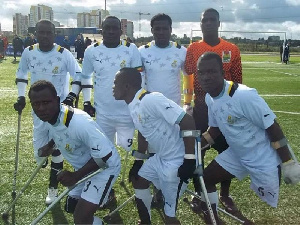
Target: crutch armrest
(138,155)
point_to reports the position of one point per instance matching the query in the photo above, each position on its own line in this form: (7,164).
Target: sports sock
(143,200)
(56,166)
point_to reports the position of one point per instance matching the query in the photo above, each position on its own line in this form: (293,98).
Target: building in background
(20,24)
(127,28)
(40,12)
(93,18)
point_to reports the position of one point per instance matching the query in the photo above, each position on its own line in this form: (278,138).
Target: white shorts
(163,174)
(40,136)
(122,127)
(264,181)
(96,189)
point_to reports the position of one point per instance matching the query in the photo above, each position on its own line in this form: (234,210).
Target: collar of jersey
(222,92)
(61,114)
(169,46)
(38,48)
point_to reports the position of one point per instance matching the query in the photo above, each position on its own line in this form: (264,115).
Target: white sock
(146,197)
(97,221)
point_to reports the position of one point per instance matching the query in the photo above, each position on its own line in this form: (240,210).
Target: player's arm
(86,79)
(290,166)
(139,157)
(21,82)
(75,71)
(236,68)
(68,178)
(208,137)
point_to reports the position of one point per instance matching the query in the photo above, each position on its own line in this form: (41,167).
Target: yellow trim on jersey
(66,114)
(58,48)
(230,86)
(142,92)
(139,68)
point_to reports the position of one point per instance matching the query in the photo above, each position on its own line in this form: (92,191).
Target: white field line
(293,113)
(276,95)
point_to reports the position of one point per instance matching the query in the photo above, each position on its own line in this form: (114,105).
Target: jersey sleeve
(163,108)
(22,73)
(236,69)
(212,122)
(256,109)
(87,74)
(136,61)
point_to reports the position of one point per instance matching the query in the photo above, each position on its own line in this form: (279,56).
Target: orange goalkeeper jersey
(231,59)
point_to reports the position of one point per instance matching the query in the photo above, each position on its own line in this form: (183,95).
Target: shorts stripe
(108,184)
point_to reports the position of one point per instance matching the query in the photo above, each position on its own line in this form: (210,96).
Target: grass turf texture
(278,83)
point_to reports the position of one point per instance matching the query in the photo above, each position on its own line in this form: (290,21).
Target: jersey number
(129,142)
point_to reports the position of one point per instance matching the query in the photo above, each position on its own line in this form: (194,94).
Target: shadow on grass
(58,215)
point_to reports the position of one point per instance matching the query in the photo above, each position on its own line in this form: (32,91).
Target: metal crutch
(36,220)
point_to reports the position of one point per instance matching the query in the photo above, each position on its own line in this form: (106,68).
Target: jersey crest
(226,56)
(55,70)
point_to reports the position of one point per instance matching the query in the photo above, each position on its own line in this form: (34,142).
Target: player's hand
(46,150)
(67,178)
(70,99)
(87,107)
(186,170)
(291,172)
(188,109)
(133,173)
(20,104)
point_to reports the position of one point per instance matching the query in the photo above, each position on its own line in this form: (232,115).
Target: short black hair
(42,85)
(132,76)
(161,17)
(211,10)
(44,21)
(111,17)
(208,56)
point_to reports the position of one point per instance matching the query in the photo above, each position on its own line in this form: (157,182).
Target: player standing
(47,61)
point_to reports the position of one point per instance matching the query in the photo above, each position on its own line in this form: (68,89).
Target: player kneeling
(83,145)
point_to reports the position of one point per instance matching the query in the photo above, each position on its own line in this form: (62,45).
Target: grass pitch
(278,83)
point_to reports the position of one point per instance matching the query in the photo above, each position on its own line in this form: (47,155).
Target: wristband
(190,156)
(278,144)
(208,138)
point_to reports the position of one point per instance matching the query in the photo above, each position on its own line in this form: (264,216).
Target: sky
(235,15)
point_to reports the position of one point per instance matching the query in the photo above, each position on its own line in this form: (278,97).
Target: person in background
(18,46)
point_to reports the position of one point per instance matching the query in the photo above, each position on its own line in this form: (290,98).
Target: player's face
(111,32)
(161,31)
(210,76)
(210,23)
(45,35)
(119,90)
(44,104)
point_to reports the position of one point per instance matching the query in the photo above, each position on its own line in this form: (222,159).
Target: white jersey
(162,67)
(243,117)
(55,66)
(157,119)
(105,63)
(79,139)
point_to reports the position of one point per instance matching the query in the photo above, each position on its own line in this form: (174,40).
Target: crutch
(218,208)
(13,194)
(119,207)
(12,205)
(124,168)
(199,169)
(36,220)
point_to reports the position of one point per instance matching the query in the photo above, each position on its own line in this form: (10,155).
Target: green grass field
(278,83)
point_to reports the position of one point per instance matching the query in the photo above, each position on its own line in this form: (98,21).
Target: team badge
(174,64)
(230,120)
(226,56)
(68,148)
(123,64)
(55,70)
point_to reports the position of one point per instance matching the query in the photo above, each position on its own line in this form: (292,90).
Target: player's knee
(70,204)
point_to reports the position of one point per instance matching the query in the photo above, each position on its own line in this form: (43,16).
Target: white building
(20,24)
(40,12)
(92,19)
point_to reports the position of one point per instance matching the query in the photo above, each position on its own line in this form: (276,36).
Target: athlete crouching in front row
(159,122)
(257,146)
(83,145)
